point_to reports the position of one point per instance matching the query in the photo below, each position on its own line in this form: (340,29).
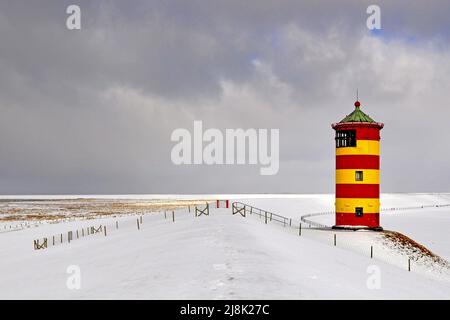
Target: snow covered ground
(225,256)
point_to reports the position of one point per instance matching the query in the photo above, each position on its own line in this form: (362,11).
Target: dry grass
(404,241)
(53,210)
(415,251)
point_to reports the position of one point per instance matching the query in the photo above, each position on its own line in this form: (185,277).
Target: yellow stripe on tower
(366,147)
(348,176)
(347,205)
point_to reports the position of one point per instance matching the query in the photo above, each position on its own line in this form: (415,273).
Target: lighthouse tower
(357,171)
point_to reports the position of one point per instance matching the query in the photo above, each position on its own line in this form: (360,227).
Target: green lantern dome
(357,116)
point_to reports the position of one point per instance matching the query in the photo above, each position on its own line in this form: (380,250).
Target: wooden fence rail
(39,244)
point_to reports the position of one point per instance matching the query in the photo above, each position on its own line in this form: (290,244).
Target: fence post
(137,220)
(300,229)
(77,234)
(165,214)
(189,208)
(290,222)
(409,264)
(265,216)
(104,229)
(117,225)
(173,216)
(53,240)
(335,239)
(140,219)
(371,252)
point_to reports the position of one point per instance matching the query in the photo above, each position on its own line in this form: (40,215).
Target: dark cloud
(91,111)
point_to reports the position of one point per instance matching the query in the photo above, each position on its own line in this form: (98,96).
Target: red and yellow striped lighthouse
(357,171)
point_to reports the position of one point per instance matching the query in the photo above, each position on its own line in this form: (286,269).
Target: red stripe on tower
(371,220)
(358,162)
(357,191)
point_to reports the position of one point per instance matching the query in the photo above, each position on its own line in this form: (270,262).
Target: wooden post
(173,216)
(53,240)
(409,264)
(137,220)
(371,252)
(300,229)
(61,238)
(77,234)
(189,208)
(104,229)
(290,222)
(82,232)
(335,239)
(265,217)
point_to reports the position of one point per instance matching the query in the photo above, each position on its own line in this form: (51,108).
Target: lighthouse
(357,171)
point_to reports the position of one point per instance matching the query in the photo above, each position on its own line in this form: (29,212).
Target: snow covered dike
(225,256)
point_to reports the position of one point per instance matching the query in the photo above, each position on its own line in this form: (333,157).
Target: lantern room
(357,171)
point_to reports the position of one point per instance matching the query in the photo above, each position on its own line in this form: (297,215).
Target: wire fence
(244,209)
(305,218)
(268,216)
(304,223)
(106,228)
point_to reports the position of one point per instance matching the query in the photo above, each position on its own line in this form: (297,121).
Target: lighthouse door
(359,211)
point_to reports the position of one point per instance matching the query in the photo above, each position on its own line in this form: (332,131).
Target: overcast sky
(92,110)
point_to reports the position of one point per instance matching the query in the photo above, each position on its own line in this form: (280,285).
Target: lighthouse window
(359,211)
(345,138)
(359,176)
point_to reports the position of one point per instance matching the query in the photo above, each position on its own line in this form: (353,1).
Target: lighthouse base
(356,228)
